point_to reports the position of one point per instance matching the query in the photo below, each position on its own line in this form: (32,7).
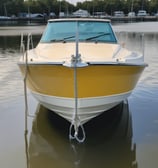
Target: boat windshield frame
(89,31)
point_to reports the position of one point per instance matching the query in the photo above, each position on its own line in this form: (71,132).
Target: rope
(25,58)
(22,49)
(75,125)
(76,133)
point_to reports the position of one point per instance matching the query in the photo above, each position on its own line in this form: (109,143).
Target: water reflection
(108,142)
(13,42)
(106,145)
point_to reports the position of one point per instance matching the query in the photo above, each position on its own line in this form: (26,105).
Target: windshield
(65,31)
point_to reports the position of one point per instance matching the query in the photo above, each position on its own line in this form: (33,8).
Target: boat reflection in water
(108,141)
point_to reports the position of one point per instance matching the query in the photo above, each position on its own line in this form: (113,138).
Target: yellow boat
(79,70)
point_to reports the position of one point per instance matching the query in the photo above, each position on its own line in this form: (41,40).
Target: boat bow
(80,71)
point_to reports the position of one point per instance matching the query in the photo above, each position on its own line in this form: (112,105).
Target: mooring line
(76,124)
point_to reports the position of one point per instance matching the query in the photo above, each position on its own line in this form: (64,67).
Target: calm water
(125,137)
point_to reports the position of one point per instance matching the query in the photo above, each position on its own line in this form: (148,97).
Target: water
(125,137)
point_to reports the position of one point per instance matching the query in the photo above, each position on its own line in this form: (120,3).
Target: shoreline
(18,30)
(139,27)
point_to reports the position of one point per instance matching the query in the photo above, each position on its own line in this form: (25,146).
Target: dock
(132,27)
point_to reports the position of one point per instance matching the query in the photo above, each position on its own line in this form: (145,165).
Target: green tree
(9,7)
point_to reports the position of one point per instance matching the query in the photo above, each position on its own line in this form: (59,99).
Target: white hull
(87,108)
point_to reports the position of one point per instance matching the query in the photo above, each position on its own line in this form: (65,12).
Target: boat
(79,70)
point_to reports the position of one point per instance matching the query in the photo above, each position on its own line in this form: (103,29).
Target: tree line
(14,7)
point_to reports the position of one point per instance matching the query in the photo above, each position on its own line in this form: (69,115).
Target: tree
(9,7)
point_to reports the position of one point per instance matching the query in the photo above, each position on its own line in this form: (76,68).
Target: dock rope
(76,124)
(25,59)
(22,49)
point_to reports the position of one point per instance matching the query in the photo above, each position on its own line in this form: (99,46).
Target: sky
(74,1)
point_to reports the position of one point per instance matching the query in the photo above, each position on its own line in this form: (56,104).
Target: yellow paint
(92,81)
